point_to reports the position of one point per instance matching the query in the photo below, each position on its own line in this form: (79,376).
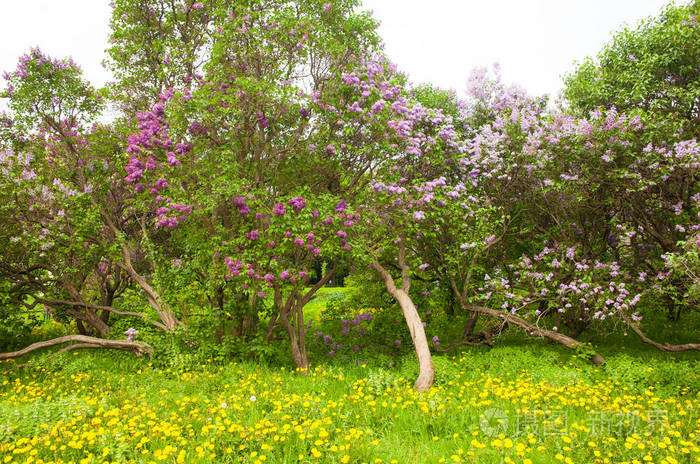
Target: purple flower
(279,209)
(342,234)
(284,275)
(298,203)
(269,277)
(252,235)
(341,206)
(239,202)
(130,334)
(423,266)
(419,215)
(327,6)
(435,340)
(397,342)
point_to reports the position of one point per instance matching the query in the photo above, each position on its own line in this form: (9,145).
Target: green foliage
(46,91)
(651,69)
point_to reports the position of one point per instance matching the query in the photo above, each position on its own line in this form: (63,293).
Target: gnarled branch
(661,346)
(137,348)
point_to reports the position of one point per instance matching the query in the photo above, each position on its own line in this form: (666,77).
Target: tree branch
(137,348)
(661,346)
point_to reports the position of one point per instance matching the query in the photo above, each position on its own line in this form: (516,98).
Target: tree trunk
(294,306)
(90,318)
(81,327)
(270,332)
(295,330)
(83,312)
(168,320)
(301,359)
(138,348)
(471,323)
(662,346)
(426,369)
(522,323)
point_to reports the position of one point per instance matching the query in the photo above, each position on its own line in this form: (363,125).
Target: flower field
(504,406)
(264,241)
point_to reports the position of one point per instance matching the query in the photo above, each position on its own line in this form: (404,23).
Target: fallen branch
(138,348)
(532,329)
(661,346)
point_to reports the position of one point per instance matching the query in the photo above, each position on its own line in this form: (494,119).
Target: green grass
(321,299)
(94,403)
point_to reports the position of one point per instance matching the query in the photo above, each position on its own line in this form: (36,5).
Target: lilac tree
(56,185)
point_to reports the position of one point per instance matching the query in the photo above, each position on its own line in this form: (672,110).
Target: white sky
(438,41)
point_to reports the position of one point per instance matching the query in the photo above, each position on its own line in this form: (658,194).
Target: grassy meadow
(522,402)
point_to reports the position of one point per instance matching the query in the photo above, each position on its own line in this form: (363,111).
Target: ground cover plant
(279,249)
(641,406)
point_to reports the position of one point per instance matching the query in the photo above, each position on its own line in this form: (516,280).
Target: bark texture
(415,325)
(82,341)
(532,329)
(662,346)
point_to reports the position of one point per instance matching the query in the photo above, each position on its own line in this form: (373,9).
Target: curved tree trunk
(81,311)
(83,341)
(661,346)
(522,323)
(426,368)
(168,320)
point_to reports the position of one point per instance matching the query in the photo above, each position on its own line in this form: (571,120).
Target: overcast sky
(437,41)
